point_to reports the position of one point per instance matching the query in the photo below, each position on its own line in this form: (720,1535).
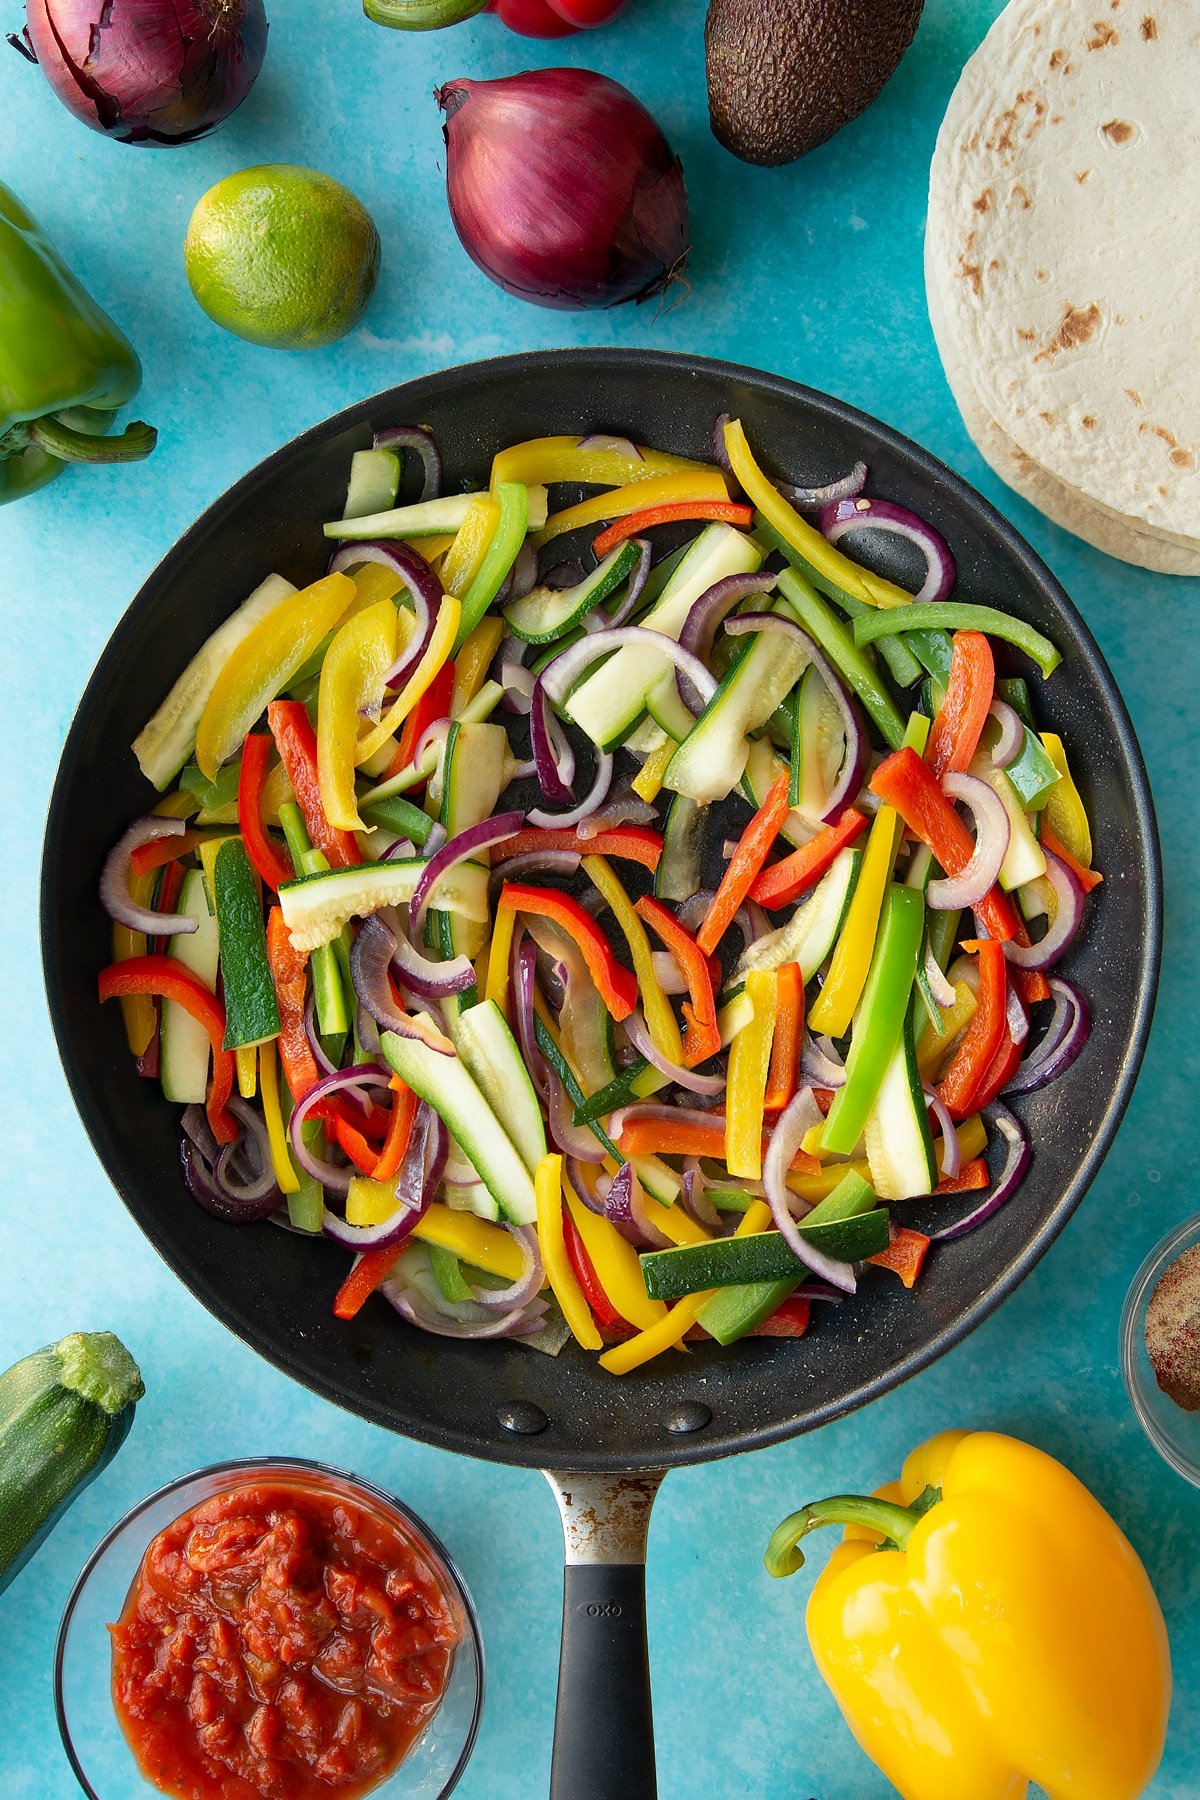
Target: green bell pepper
(65,367)
(880,1017)
(954,615)
(857,669)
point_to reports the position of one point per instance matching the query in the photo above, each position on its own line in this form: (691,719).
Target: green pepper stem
(134,443)
(421,15)
(895,1523)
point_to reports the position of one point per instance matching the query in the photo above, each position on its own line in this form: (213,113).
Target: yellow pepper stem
(893,1523)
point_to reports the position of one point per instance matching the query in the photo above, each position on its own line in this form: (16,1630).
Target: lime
(283,256)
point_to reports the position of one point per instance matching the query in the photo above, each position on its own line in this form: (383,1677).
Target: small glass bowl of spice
(1160,1348)
(273,1629)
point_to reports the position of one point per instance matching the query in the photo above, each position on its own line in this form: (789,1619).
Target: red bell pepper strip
(1087,878)
(905,1254)
(745,865)
(790,1319)
(160,851)
(289,972)
(269,861)
(787,1041)
(400,1130)
(702,1035)
(167,898)
(371,1268)
(995,1079)
(433,705)
(785,881)
(296,742)
(615,983)
(688,1137)
(962,715)
(628,843)
(908,785)
(585,1274)
(167,979)
(635,523)
(984,1037)
(353,1143)
(972,1177)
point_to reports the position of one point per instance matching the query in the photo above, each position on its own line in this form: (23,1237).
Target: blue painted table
(813,271)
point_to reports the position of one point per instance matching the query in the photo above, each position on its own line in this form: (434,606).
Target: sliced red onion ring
(422,975)
(819,1065)
(667,974)
(553,862)
(523,574)
(114,881)
(528,1284)
(580,1182)
(323,1062)
(523,980)
(621,809)
(194,1121)
(1017,1017)
(695,908)
(516,680)
(941,989)
(520,1322)
(206,1192)
(424,1169)
(559,676)
(812,499)
(633,592)
(1067,920)
(696,1200)
(370,962)
(573,1140)
(625,1207)
(600,440)
(1064,1038)
(854,762)
(796,1119)
(859,514)
(950,1161)
(1012,733)
(553,757)
(336,1177)
(1016,1161)
(551,821)
(643,1043)
(254,1131)
(406,1216)
(459,848)
(752,922)
(421,439)
(704,618)
(953,893)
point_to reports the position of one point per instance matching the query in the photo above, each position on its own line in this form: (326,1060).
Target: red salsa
(280,1642)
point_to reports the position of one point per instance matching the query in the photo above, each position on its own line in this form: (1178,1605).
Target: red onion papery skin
(563,189)
(149,71)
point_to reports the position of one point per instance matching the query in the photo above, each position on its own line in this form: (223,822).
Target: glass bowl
(96,1746)
(1174,1432)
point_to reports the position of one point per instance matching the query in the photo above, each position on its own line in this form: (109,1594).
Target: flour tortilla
(1064,236)
(1086,519)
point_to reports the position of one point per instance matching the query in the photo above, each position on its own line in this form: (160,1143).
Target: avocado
(784,75)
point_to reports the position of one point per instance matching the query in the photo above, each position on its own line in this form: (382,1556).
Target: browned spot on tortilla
(1057,118)
(1119,131)
(994,265)
(1079,326)
(1082,175)
(1059,63)
(1027,337)
(1104,36)
(1162,490)
(1088,422)
(1135,396)
(1042,274)
(1019,196)
(983,202)
(1183,459)
(971,144)
(1180,457)
(1047,416)
(1149,28)
(973,273)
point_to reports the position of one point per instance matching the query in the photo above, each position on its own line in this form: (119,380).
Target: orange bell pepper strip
(1087,878)
(153,855)
(702,1035)
(786,1043)
(433,705)
(905,1254)
(372,1267)
(995,1079)
(972,1177)
(289,972)
(745,865)
(628,843)
(400,1130)
(269,860)
(606,1314)
(635,523)
(296,742)
(688,1137)
(984,1037)
(785,881)
(958,727)
(615,983)
(910,787)
(168,979)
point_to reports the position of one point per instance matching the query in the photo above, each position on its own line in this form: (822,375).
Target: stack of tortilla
(1062,261)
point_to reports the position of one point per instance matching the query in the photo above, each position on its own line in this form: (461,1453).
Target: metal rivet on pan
(524,1417)
(691,1415)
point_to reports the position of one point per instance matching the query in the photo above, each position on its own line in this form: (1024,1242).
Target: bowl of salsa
(269,1629)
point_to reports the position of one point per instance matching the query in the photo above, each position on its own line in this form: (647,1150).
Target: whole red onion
(563,189)
(149,71)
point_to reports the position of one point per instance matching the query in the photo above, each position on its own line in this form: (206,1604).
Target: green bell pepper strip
(1031,771)
(955,615)
(819,619)
(899,657)
(880,1017)
(333,1018)
(65,367)
(251,1008)
(394,813)
(566,1074)
(618,1092)
(502,552)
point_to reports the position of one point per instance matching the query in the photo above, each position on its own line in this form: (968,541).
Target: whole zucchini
(65,1411)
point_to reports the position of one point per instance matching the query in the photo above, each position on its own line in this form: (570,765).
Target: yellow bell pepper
(670,1330)
(819,1184)
(1065,812)
(352,680)
(465,556)
(661,1022)
(138,1011)
(617,1264)
(618,503)
(436,652)
(540,461)
(483,1246)
(1012,1635)
(245,1059)
(263,664)
(499,952)
(548,1191)
(647,783)
(674,1222)
(804,538)
(932,1047)
(369,1202)
(281,1161)
(833,1008)
(749,1064)
(474,660)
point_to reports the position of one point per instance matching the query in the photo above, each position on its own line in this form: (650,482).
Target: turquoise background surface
(814,272)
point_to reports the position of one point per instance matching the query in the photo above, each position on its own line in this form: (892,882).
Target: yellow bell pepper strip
(464,559)
(745,865)
(880,1019)
(618,1269)
(1011,1636)
(549,459)
(616,986)
(246,1061)
(548,1191)
(655,490)
(647,783)
(281,1162)
(484,1246)
(660,1019)
(749,1065)
(932,1047)
(352,681)
(636,1351)
(501,554)
(819,1184)
(676,1224)
(702,1038)
(137,1009)
(803,537)
(437,652)
(498,958)
(833,1008)
(474,660)
(264,663)
(1065,812)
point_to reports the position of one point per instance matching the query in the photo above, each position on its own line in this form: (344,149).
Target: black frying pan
(501,1401)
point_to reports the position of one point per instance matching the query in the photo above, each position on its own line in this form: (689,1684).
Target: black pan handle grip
(604,1729)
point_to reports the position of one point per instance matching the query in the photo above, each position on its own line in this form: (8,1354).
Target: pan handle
(604,1728)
